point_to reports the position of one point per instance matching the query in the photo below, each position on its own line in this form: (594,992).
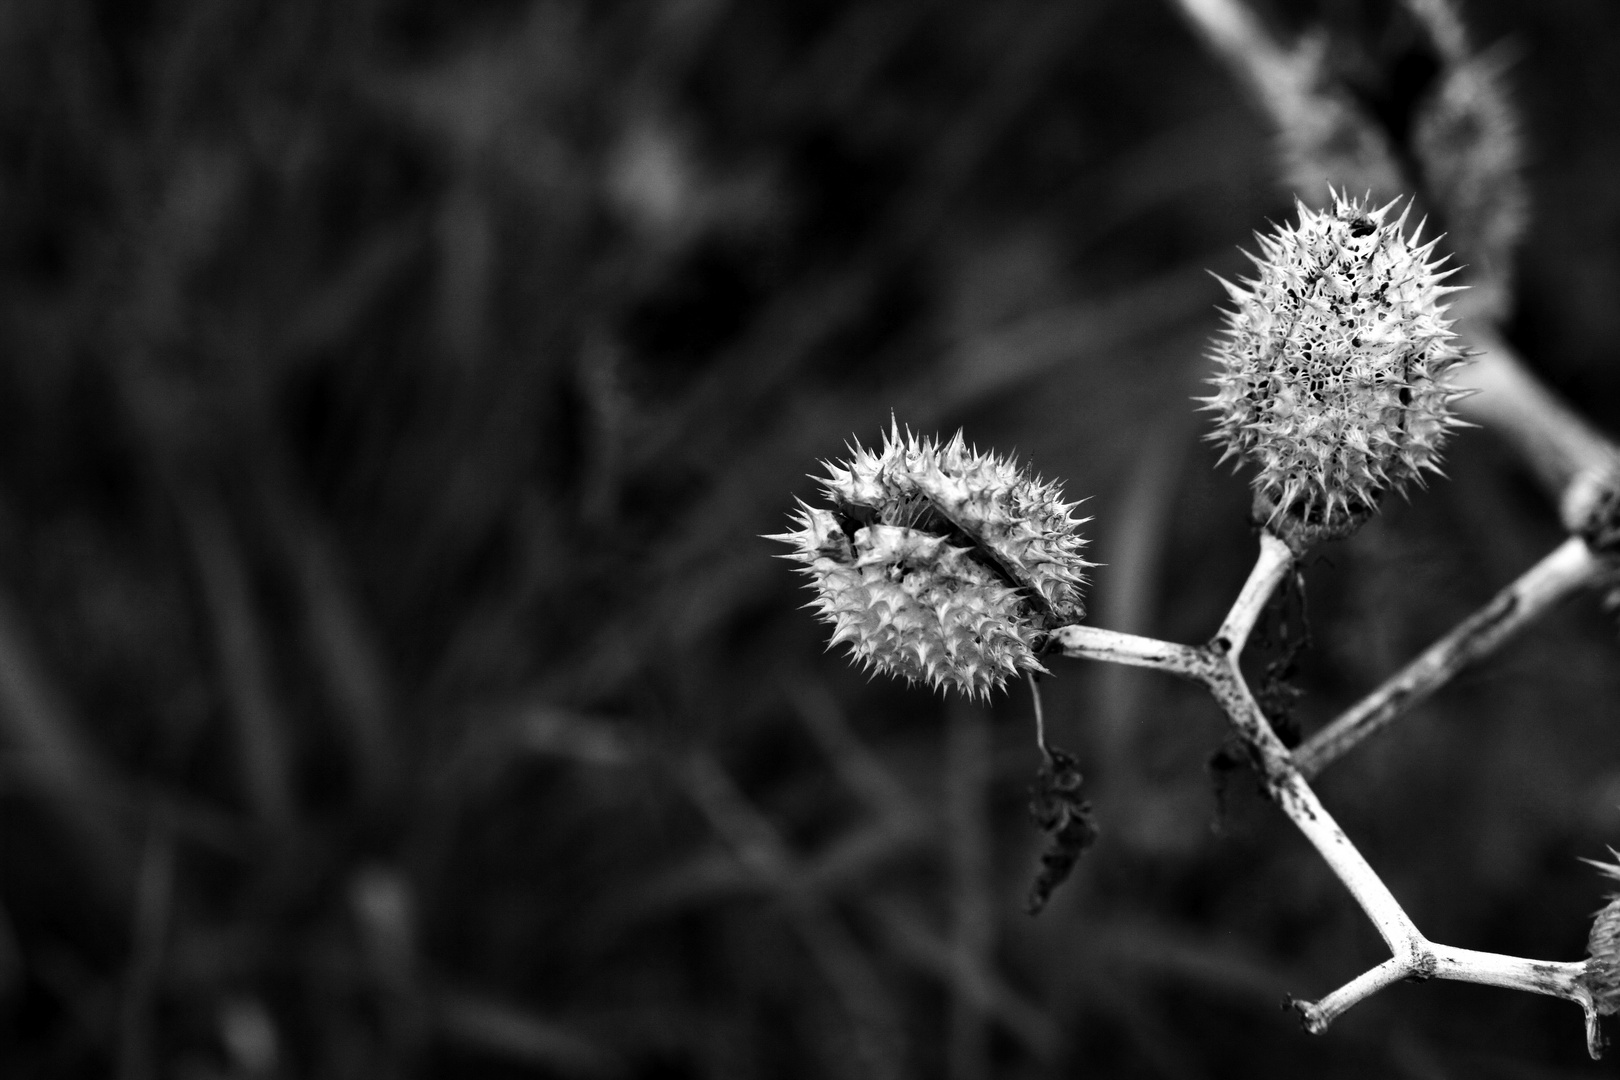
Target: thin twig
(1275,563)
(1560,980)
(1221,674)
(1111,646)
(1319,1014)
(1216,667)
(1570,567)
(1040,714)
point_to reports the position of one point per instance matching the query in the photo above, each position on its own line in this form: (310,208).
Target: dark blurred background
(393,679)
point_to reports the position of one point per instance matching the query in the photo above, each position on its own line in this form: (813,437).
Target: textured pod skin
(1602,976)
(1603,969)
(939,564)
(1331,376)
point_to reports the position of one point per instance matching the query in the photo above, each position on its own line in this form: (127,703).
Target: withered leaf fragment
(1065,817)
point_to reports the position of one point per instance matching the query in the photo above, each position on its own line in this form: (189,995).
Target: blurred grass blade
(340,642)
(861,770)
(844,964)
(62,765)
(149,931)
(243,664)
(517,1035)
(908,933)
(968,751)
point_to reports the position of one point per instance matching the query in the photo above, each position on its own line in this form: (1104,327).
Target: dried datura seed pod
(939,564)
(1603,969)
(1332,373)
(1603,946)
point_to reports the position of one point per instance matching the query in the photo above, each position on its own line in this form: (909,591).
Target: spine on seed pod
(936,563)
(1331,378)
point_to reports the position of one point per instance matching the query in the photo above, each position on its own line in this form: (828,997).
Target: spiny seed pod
(1332,371)
(1602,976)
(940,564)
(1603,969)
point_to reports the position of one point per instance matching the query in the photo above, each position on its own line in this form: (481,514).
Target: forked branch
(1326,140)
(1216,666)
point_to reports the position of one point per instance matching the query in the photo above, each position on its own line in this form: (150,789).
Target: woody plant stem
(1578,467)
(1570,566)
(1215,666)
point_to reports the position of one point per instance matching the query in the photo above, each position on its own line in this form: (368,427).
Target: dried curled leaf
(1065,817)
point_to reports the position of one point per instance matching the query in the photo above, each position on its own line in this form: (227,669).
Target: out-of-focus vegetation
(393,680)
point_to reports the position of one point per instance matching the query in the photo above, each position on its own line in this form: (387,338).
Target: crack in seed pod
(1331,374)
(939,564)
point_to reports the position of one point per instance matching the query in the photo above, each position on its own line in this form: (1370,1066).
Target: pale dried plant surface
(393,681)
(1332,373)
(939,564)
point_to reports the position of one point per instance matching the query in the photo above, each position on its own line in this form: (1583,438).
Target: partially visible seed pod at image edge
(1603,945)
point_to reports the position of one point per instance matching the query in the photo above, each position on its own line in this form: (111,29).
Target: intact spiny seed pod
(940,564)
(1332,373)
